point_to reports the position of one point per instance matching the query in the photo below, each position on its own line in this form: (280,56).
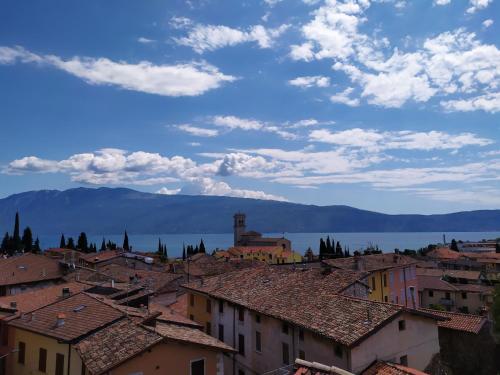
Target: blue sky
(386,105)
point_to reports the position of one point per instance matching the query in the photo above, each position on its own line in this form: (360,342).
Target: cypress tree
(165,253)
(70,244)
(103,245)
(183,253)
(338,250)
(82,243)
(322,249)
(125,242)
(196,250)
(62,243)
(27,240)
(36,246)
(202,247)
(160,247)
(329,248)
(5,242)
(16,238)
(453,245)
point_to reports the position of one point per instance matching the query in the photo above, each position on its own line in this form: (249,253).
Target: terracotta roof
(459,274)
(101,256)
(35,299)
(83,315)
(28,268)
(153,280)
(114,345)
(388,368)
(437,283)
(308,298)
(169,315)
(254,249)
(443,253)
(458,321)
(371,262)
(315,368)
(190,335)
(210,266)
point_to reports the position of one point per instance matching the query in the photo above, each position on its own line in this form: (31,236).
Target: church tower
(239,227)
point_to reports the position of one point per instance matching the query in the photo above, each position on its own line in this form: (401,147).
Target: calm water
(300,241)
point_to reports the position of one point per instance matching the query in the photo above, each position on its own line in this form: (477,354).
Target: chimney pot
(60,319)
(13,304)
(65,292)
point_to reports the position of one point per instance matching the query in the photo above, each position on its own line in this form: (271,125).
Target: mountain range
(112,210)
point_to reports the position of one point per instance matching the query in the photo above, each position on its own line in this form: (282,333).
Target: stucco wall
(169,358)
(419,341)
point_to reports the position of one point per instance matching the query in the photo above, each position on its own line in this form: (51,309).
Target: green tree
(70,244)
(160,247)
(165,252)
(183,252)
(338,250)
(322,249)
(202,247)
(82,243)
(125,242)
(5,242)
(16,238)
(36,247)
(62,242)
(453,245)
(103,245)
(27,240)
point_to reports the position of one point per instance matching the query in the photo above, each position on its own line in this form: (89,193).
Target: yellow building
(267,254)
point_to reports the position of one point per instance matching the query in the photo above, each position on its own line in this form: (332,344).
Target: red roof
(388,368)
(458,321)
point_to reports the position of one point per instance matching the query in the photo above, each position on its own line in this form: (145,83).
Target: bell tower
(239,227)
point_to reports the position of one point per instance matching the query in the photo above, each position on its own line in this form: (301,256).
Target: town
(258,307)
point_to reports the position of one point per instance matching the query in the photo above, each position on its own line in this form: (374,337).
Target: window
(241,372)
(42,360)
(258,342)
(284,328)
(241,344)
(286,353)
(208,328)
(198,367)
(301,334)
(191,299)
(373,284)
(21,353)
(209,306)
(385,279)
(302,355)
(257,318)
(464,295)
(59,364)
(191,317)
(402,325)
(221,307)
(221,332)
(431,293)
(241,314)
(386,299)
(448,295)
(404,360)
(338,351)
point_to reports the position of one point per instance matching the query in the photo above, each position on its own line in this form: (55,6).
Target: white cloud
(199,132)
(209,186)
(375,140)
(478,5)
(202,38)
(189,79)
(233,122)
(487,23)
(167,191)
(144,40)
(488,103)
(272,2)
(442,2)
(344,98)
(310,81)
(302,51)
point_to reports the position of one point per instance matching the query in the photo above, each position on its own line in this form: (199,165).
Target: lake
(300,241)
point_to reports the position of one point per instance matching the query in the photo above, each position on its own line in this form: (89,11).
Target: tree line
(188,251)
(329,250)
(15,243)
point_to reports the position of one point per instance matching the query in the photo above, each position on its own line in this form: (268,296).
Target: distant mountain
(110,211)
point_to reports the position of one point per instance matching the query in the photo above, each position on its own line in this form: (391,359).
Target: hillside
(108,211)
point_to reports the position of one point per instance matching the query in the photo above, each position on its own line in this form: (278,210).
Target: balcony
(446,302)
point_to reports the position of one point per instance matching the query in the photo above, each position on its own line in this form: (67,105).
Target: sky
(386,105)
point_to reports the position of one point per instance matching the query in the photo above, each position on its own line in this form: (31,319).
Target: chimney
(65,292)
(112,283)
(13,304)
(60,319)
(44,272)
